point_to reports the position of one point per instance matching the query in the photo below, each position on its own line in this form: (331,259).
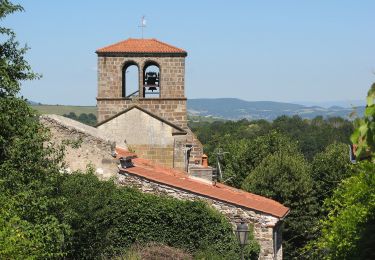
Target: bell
(152,88)
(151,78)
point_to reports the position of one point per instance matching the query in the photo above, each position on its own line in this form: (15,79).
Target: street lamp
(242,233)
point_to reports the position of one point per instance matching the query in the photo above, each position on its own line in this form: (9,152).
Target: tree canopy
(285,177)
(30,218)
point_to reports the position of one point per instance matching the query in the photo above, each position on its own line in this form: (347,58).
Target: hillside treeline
(311,136)
(88,119)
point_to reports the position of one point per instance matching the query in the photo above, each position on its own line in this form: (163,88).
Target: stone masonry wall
(197,149)
(94,148)
(264,225)
(172,102)
(172,71)
(160,155)
(172,110)
(147,136)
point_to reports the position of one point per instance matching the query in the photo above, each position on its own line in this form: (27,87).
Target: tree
(285,177)
(347,231)
(329,168)
(316,134)
(30,219)
(244,155)
(88,119)
(311,136)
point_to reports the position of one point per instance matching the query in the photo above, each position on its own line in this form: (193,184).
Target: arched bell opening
(151,80)
(130,80)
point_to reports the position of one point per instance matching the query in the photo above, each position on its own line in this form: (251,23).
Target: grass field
(61,109)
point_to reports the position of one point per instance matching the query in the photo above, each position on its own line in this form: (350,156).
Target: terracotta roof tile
(141,46)
(122,152)
(171,177)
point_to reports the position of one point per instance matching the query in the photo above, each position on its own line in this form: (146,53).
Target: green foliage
(273,166)
(285,177)
(213,135)
(245,154)
(347,231)
(295,161)
(13,66)
(364,135)
(23,236)
(312,136)
(155,251)
(106,220)
(30,219)
(329,168)
(88,119)
(29,181)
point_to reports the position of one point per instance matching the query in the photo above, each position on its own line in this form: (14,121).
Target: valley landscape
(229,109)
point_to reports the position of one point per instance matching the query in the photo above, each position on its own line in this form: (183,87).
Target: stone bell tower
(152,119)
(163,94)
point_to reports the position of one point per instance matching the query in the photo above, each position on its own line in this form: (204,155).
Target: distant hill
(235,109)
(339,103)
(226,108)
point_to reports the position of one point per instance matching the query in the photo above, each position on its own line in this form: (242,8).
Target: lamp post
(242,233)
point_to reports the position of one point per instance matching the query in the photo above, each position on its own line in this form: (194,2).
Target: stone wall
(172,102)
(197,148)
(172,72)
(173,110)
(147,136)
(94,147)
(266,227)
(135,127)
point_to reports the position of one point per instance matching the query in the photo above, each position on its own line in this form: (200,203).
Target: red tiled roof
(170,177)
(141,46)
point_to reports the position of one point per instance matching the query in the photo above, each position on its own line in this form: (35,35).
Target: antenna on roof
(143,24)
(219,157)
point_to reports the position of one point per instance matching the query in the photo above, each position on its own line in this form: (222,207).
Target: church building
(152,120)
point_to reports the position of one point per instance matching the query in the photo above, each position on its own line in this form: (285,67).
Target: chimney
(205,160)
(201,171)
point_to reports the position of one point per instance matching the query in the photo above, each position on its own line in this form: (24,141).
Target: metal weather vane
(143,24)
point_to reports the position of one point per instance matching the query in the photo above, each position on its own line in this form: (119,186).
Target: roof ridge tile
(132,45)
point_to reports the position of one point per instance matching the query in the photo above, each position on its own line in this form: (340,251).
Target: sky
(288,51)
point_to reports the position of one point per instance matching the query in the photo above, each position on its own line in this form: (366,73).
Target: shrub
(347,231)
(106,220)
